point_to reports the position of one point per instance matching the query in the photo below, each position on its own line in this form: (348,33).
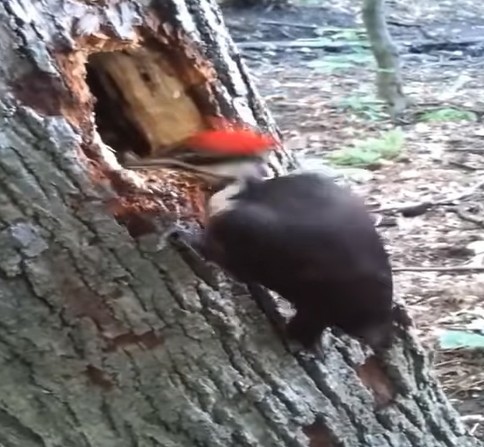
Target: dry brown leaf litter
(443,159)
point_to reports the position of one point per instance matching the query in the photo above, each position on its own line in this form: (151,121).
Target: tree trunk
(389,79)
(109,334)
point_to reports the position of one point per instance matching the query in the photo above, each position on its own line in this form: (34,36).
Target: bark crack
(261,402)
(172,428)
(11,424)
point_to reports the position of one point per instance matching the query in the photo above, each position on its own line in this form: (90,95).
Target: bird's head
(219,156)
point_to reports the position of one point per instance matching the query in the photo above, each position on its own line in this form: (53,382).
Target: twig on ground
(418,47)
(477,150)
(385,221)
(428,106)
(291,24)
(444,45)
(317,43)
(395,22)
(472,417)
(420,28)
(451,91)
(412,210)
(468,216)
(449,269)
(474,428)
(464,166)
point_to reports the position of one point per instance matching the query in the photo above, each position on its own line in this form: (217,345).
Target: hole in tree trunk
(141,103)
(111,110)
(141,106)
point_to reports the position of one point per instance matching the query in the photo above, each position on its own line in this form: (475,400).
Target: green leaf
(370,151)
(448,114)
(452,339)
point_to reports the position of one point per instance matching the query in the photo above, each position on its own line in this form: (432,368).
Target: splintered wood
(161,199)
(139,94)
(137,80)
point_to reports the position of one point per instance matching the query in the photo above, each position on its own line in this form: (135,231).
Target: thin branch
(395,22)
(477,150)
(320,43)
(450,268)
(421,207)
(290,24)
(317,43)
(469,216)
(464,166)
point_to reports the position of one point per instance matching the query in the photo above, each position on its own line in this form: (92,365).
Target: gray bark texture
(109,335)
(274,4)
(389,79)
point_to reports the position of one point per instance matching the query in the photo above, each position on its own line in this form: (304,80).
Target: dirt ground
(321,104)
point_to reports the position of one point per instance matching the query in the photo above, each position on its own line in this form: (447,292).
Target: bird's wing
(269,247)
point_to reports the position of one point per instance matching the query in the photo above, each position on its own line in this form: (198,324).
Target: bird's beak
(214,170)
(199,170)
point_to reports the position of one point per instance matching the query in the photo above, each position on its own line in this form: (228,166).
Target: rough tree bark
(389,79)
(109,335)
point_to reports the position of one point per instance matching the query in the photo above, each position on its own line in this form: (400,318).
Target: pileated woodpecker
(300,235)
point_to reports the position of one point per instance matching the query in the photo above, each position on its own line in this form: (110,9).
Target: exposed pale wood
(152,96)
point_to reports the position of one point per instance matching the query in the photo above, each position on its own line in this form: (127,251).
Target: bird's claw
(299,341)
(296,348)
(187,236)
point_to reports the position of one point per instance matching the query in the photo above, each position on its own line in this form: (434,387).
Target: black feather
(313,242)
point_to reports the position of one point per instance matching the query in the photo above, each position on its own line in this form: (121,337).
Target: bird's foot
(189,243)
(295,347)
(188,237)
(378,337)
(303,335)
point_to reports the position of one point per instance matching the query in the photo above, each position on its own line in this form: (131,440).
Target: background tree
(109,334)
(389,79)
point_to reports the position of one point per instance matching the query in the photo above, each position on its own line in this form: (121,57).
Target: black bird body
(313,242)
(301,235)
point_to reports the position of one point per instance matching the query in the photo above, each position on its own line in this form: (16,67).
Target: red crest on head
(232,140)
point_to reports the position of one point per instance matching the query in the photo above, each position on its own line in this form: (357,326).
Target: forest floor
(321,93)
